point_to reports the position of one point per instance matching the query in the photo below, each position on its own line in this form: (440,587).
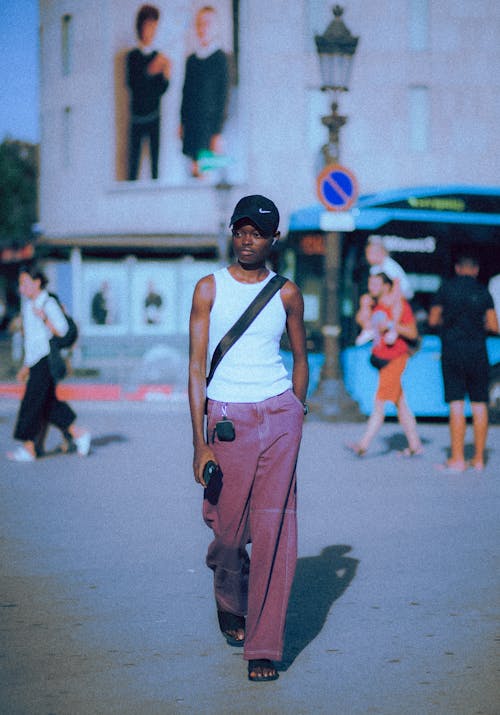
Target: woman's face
(205,27)
(250,247)
(148,31)
(28,287)
(374,254)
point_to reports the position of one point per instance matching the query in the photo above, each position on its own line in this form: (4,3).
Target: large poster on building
(174,81)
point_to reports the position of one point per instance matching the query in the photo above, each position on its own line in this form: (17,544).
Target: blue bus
(424,229)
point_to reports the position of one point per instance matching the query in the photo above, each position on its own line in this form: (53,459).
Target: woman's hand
(202,455)
(160,64)
(23,373)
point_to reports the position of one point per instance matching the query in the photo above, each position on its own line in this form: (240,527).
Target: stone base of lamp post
(331,403)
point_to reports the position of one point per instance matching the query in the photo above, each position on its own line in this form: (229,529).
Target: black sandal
(356,449)
(229,623)
(261,664)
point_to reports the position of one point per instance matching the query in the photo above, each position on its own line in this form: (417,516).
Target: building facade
(124,251)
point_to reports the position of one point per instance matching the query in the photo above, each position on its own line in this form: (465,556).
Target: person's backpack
(71,335)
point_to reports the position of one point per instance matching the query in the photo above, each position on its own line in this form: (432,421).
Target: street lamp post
(336,48)
(223,194)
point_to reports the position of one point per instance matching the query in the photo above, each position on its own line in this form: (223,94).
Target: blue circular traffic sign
(337,187)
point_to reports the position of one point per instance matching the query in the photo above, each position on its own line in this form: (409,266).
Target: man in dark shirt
(148,73)
(464,309)
(99,305)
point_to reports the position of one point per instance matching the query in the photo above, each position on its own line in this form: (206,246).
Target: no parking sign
(337,187)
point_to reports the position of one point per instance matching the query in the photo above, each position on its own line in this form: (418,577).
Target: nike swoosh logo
(263,211)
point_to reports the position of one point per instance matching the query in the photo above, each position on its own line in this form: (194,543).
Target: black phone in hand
(209,470)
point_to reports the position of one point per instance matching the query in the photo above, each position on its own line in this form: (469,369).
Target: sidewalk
(106,605)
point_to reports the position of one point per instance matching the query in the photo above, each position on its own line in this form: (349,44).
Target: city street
(106,605)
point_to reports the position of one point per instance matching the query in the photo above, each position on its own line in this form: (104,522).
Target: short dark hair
(146,12)
(385,278)
(35,273)
(467,259)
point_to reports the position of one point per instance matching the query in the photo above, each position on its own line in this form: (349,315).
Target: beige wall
(276,129)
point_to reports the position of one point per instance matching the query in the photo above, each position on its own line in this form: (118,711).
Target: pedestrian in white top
(255,413)
(42,318)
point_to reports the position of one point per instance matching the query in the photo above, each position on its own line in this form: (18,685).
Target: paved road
(106,605)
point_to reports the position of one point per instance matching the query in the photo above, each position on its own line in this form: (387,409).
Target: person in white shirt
(42,318)
(379,260)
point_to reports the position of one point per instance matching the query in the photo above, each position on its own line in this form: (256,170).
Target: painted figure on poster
(148,76)
(205,92)
(101,307)
(153,305)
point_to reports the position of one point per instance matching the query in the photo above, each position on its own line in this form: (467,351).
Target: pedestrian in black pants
(465,312)
(42,318)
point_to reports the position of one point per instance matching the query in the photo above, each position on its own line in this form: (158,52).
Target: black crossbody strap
(237,330)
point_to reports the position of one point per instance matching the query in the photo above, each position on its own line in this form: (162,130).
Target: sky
(19,70)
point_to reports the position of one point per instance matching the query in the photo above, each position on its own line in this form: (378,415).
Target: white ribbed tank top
(252,370)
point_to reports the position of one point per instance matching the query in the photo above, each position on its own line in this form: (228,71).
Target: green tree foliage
(18,192)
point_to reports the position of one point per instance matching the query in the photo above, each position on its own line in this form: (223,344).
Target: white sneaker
(364,337)
(83,444)
(20,454)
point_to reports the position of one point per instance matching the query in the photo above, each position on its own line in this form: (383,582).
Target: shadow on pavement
(469,451)
(319,582)
(70,448)
(106,439)
(397,442)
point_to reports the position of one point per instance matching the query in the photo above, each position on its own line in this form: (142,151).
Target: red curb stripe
(95,391)
(89,392)
(8,389)
(149,392)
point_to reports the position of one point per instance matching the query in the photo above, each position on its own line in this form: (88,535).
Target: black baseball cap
(260,211)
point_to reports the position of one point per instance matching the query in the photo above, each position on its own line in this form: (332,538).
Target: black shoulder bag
(57,364)
(71,336)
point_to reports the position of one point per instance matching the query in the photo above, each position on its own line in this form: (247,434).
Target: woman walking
(42,318)
(255,415)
